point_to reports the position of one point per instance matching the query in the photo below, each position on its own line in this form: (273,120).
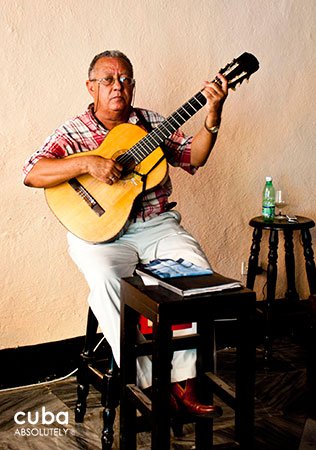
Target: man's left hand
(215,94)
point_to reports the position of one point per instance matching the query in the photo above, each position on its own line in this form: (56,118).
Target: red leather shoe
(187,399)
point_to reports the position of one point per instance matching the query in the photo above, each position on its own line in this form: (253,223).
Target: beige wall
(268,129)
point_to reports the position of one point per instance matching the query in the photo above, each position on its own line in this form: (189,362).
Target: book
(170,268)
(191,281)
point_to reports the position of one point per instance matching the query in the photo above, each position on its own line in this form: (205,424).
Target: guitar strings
(162,131)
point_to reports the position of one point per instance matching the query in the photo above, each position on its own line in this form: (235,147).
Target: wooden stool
(100,371)
(165,308)
(303,225)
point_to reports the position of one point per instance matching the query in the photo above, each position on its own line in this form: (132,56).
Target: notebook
(184,277)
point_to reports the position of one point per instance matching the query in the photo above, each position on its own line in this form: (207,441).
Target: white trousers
(103,265)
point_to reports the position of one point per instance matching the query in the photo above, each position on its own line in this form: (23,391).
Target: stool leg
(82,376)
(309,260)
(109,400)
(271,285)
(253,259)
(291,293)
(128,432)
(82,393)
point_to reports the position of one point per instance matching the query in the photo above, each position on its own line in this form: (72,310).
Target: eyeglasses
(110,80)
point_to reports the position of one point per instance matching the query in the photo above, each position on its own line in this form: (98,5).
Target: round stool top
(282,224)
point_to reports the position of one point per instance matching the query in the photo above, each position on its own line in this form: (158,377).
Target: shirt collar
(133,118)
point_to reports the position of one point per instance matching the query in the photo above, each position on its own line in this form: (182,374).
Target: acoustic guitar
(97,212)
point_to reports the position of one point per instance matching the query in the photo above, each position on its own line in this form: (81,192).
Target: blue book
(169,268)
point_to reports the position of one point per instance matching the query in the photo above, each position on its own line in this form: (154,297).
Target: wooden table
(165,308)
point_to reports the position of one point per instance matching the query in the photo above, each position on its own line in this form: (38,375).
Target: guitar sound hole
(127,171)
(127,162)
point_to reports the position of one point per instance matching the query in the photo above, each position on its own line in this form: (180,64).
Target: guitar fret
(147,146)
(184,109)
(151,136)
(202,104)
(183,115)
(201,98)
(174,118)
(166,128)
(142,145)
(194,108)
(195,103)
(140,153)
(173,124)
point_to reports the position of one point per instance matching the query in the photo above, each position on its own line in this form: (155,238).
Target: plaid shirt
(85,132)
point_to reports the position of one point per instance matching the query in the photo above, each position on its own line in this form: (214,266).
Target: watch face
(214,130)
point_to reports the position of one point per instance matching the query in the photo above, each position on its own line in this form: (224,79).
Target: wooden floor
(281,420)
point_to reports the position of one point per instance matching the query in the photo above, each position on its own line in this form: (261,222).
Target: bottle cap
(268,178)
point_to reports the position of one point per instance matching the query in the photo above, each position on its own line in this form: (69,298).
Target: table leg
(309,260)
(205,363)
(253,259)
(161,370)
(128,434)
(245,381)
(291,293)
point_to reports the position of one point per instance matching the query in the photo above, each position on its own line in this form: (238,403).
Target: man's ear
(91,87)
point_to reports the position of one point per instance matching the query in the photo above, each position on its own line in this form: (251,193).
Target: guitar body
(71,201)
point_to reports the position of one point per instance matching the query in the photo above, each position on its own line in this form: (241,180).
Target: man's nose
(117,84)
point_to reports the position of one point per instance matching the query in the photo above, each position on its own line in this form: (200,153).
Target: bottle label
(268,212)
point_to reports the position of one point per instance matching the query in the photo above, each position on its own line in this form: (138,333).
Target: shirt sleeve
(178,151)
(58,145)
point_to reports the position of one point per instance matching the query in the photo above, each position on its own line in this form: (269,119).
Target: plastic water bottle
(268,201)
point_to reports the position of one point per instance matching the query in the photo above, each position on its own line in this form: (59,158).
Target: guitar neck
(178,118)
(172,123)
(235,72)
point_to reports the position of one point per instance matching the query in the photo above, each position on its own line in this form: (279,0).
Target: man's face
(116,97)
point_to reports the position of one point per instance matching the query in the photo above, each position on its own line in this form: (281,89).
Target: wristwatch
(213,129)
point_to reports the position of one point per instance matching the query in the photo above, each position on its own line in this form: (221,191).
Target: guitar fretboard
(153,139)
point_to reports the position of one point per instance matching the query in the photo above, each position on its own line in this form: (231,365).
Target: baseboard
(38,363)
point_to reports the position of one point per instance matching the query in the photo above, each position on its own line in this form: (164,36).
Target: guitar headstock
(239,69)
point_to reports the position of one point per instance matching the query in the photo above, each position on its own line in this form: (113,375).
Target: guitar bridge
(86,196)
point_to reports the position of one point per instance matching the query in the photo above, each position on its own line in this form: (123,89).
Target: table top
(281,224)
(152,300)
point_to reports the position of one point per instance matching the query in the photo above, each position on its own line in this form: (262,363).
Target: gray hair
(110,54)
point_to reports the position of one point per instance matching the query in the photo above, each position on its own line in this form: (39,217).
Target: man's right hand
(105,170)
(49,172)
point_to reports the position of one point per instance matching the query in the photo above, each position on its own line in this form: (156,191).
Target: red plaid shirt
(85,132)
